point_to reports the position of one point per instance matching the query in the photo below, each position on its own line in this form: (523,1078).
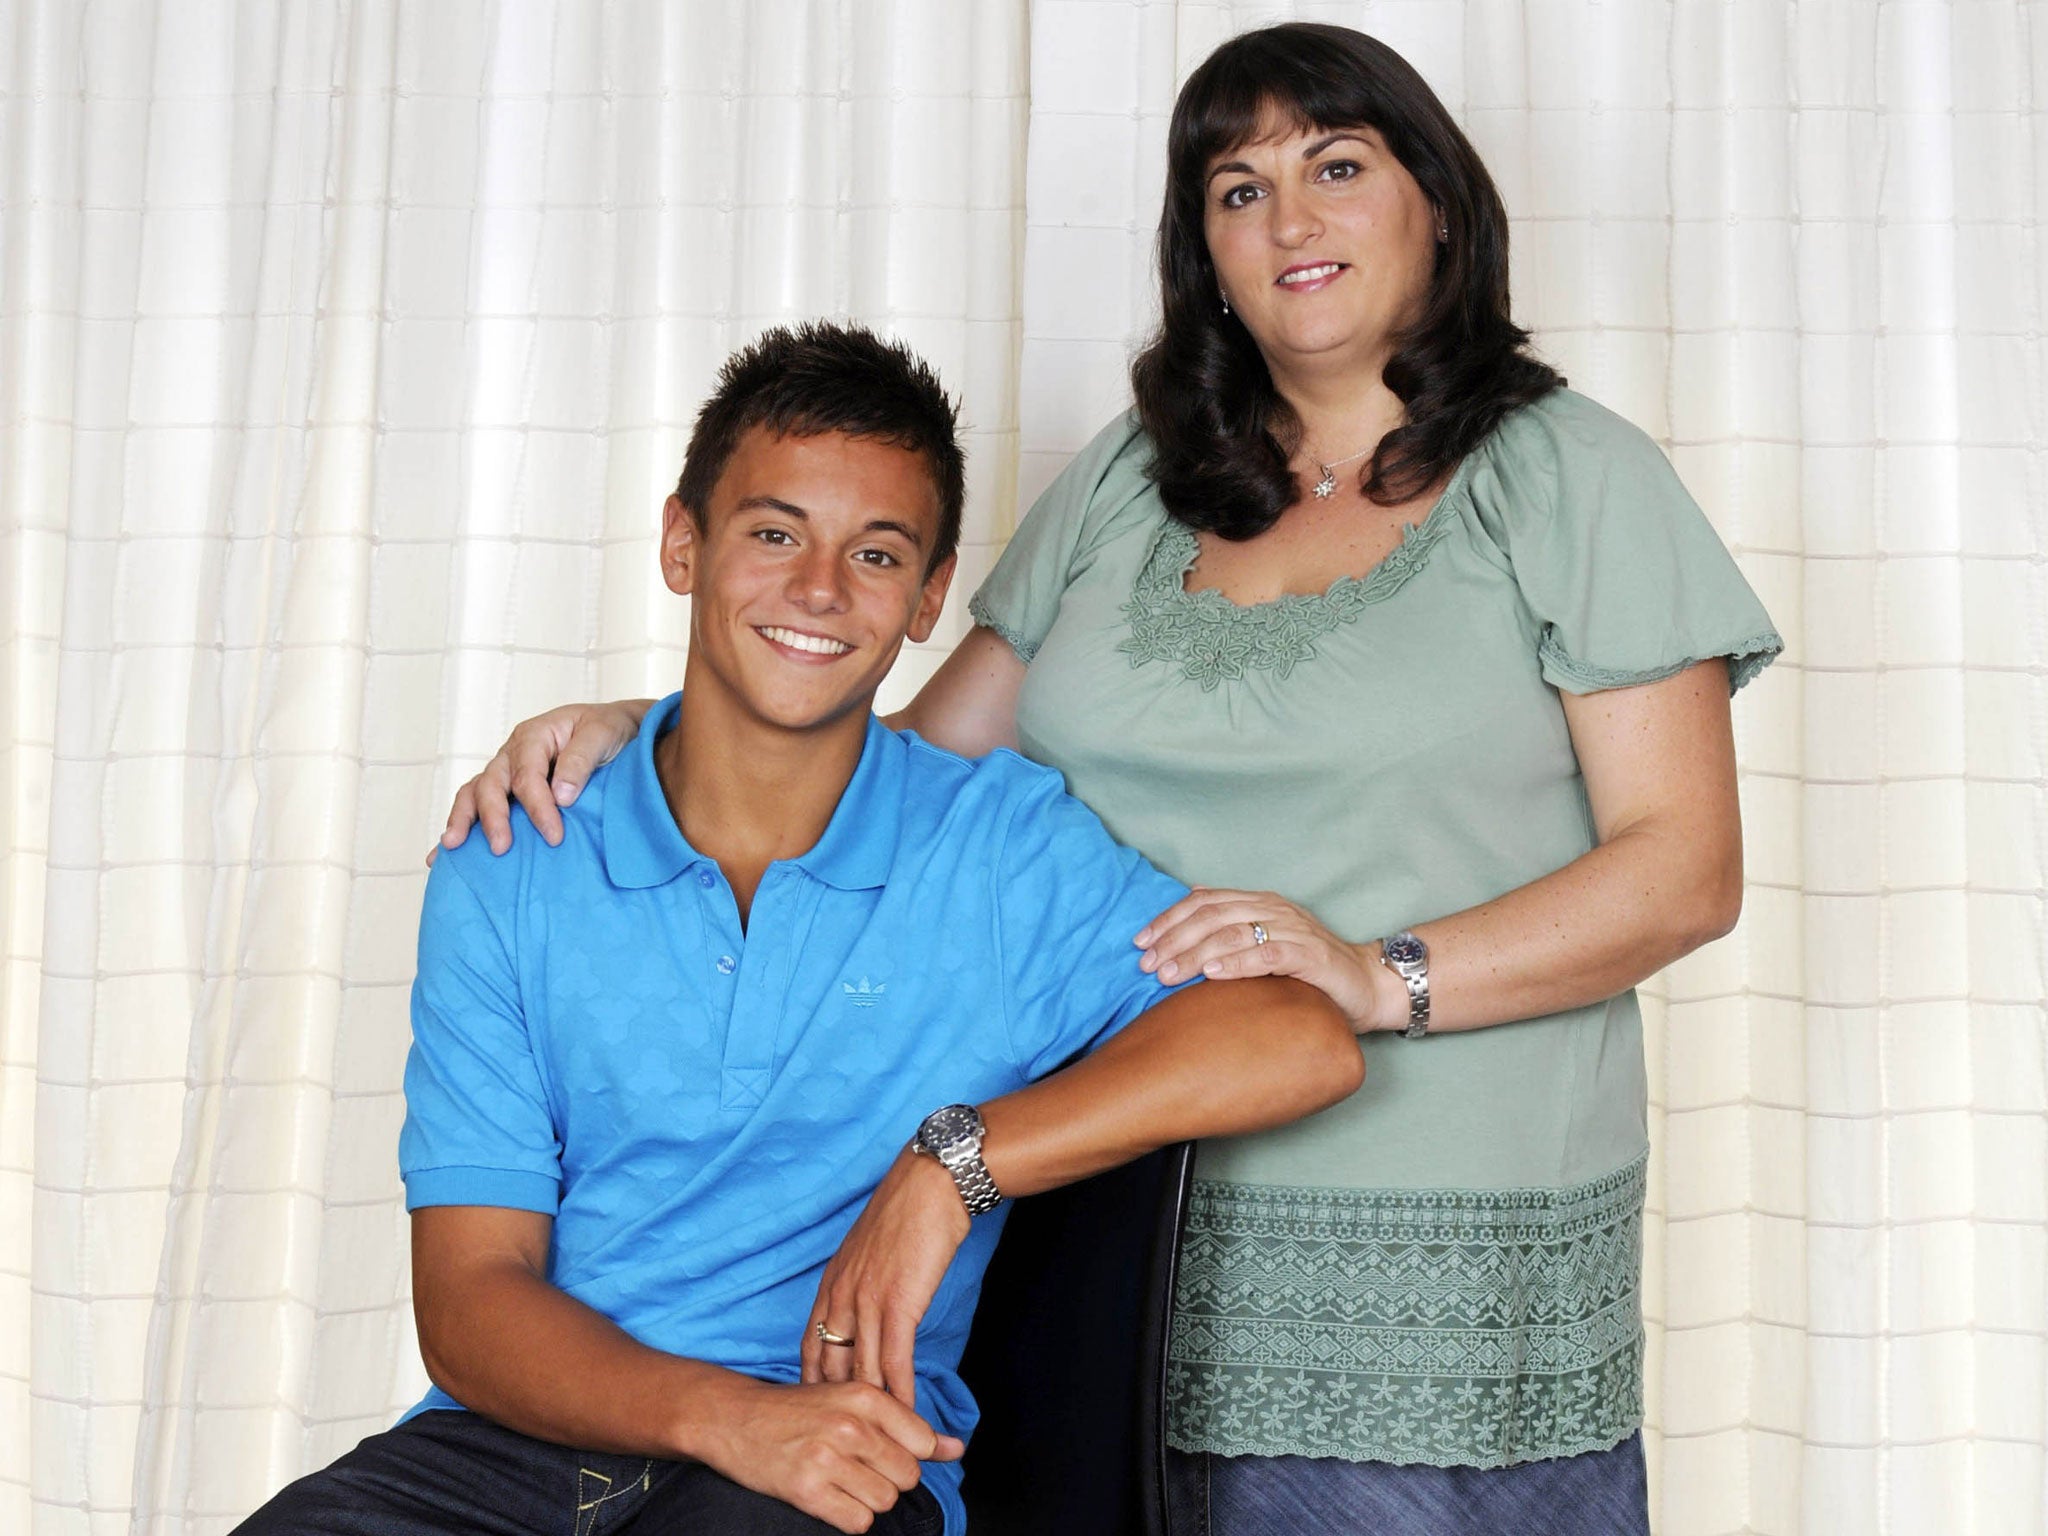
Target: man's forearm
(1219,1059)
(1215,1060)
(516,1349)
(498,1338)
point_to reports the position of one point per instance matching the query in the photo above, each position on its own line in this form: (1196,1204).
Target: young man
(666,1071)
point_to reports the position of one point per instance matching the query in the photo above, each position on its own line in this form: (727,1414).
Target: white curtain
(347,349)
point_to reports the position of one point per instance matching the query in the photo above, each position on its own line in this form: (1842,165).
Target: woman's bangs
(1258,98)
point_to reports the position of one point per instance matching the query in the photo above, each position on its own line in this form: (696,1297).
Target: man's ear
(932,599)
(679,541)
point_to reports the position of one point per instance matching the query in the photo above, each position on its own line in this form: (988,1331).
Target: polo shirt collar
(859,844)
(644,847)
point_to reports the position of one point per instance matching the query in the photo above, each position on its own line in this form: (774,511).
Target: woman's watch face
(1406,949)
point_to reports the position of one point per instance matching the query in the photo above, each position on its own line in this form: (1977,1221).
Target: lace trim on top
(978,609)
(1211,638)
(1453,1327)
(1745,658)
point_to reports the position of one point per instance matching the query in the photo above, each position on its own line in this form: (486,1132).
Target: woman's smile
(1307,277)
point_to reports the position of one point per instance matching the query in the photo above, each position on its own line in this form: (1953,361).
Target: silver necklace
(1327,486)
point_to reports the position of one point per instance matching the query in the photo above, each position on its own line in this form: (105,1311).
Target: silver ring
(827,1336)
(1259,934)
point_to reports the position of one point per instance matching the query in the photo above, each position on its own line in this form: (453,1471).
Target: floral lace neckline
(1212,639)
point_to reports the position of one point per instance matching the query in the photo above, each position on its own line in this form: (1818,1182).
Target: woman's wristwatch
(1408,958)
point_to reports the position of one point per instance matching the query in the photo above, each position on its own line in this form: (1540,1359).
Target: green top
(1444,1267)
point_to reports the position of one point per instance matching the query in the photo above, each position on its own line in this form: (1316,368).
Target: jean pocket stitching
(587,1508)
(586,1505)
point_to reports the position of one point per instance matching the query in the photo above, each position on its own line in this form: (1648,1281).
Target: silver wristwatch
(954,1135)
(1408,958)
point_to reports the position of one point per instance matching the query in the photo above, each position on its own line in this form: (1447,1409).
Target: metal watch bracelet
(1408,958)
(977,1186)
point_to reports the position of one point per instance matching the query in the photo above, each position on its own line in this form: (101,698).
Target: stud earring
(1225,298)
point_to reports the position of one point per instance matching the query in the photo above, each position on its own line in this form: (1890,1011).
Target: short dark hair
(1221,434)
(824,376)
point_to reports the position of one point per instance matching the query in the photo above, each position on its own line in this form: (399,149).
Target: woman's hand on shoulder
(544,765)
(1226,935)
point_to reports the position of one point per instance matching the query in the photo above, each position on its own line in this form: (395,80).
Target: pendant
(1327,486)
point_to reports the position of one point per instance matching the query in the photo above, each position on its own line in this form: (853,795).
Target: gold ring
(1259,934)
(827,1336)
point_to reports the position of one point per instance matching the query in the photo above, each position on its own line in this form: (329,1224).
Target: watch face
(944,1129)
(1406,949)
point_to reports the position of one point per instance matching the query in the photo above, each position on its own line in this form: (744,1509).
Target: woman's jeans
(1601,1493)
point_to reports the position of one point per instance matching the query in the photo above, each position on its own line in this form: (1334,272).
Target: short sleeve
(478,1130)
(1621,568)
(1021,597)
(1070,900)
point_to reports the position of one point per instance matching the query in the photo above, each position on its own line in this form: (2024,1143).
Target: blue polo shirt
(703,1111)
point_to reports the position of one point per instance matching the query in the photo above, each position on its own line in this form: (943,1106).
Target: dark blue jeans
(1601,1493)
(450,1474)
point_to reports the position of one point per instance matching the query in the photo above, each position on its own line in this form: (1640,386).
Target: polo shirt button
(706,879)
(725,965)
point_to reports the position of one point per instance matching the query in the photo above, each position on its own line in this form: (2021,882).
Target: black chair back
(1068,1358)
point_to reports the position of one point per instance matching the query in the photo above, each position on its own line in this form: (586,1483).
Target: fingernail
(1144,938)
(564,793)
(1169,971)
(1148,961)
(1212,969)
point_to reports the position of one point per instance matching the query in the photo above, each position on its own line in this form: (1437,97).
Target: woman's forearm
(1665,877)
(1589,931)
(1648,895)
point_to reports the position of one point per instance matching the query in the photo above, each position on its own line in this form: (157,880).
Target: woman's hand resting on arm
(1665,878)
(968,706)
(1211,931)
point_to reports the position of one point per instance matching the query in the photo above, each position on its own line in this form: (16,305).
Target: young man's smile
(818,647)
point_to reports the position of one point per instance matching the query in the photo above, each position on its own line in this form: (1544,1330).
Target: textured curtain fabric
(348,353)
(347,350)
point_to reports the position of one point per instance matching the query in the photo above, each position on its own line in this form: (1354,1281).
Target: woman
(1361,604)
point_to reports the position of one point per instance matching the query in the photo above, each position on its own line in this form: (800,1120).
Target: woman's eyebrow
(1312,150)
(1309,152)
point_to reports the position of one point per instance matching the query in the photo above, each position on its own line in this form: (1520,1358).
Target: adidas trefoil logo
(864,995)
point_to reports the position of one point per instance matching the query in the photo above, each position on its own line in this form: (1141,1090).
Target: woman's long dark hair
(1221,433)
